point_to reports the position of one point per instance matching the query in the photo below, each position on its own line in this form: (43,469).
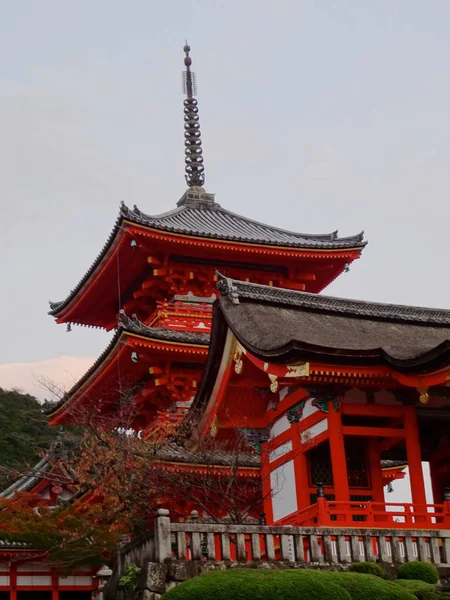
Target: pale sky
(316,115)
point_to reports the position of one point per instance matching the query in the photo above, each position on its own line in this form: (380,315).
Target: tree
(24,434)
(123,478)
(65,537)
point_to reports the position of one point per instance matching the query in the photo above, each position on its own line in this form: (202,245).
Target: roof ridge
(237,290)
(330,237)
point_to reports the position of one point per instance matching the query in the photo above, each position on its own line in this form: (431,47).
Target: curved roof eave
(132,326)
(190,221)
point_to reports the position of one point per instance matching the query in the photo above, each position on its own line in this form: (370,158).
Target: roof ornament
(195,171)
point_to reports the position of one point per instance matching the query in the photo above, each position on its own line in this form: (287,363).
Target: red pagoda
(155,282)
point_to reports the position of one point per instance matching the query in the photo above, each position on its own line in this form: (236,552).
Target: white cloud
(62,370)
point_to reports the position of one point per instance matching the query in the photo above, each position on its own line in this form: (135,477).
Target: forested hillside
(24,432)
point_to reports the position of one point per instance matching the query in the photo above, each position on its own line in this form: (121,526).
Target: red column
(338,458)
(55,584)
(436,485)
(300,469)
(266,485)
(13,582)
(414,455)
(376,475)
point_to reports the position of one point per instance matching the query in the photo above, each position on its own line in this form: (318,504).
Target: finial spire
(195,171)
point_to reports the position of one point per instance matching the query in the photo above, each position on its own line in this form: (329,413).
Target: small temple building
(326,389)
(23,573)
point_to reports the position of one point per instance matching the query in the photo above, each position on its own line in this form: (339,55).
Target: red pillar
(300,469)
(436,485)
(414,456)
(338,458)
(55,584)
(376,474)
(266,485)
(13,582)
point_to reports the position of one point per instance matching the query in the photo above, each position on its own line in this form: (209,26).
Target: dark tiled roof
(174,453)
(28,481)
(242,291)
(133,325)
(282,325)
(10,545)
(209,220)
(212,221)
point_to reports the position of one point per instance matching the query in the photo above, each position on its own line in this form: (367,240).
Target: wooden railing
(195,541)
(383,514)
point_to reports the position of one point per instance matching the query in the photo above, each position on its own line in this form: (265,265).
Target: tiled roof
(133,325)
(209,220)
(242,291)
(282,325)
(28,481)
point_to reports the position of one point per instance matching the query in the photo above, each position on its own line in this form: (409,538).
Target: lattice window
(355,451)
(319,462)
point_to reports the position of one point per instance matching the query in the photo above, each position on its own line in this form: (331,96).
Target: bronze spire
(195,171)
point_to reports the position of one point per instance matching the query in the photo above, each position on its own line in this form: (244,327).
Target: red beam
(388,432)
(372,410)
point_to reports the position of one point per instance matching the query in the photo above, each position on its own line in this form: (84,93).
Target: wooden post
(163,549)
(266,484)
(13,582)
(55,580)
(338,458)
(414,456)
(300,469)
(376,474)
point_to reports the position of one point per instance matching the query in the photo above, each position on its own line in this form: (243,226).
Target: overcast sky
(316,115)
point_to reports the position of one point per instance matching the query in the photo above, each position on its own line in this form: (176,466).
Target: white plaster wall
(281,425)
(284,499)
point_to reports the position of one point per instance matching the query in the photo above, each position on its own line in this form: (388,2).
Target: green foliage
(420,589)
(422,571)
(259,584)
(362,587)
(24,433)
(368,568)
(129,578)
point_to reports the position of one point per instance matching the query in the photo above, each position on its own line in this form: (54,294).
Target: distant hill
(24,432)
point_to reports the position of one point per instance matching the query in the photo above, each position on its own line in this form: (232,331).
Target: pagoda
(154,283)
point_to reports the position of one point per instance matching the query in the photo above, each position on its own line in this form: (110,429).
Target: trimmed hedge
(368,568)
(420,589)
(302,584)
(362,587)
(419,570)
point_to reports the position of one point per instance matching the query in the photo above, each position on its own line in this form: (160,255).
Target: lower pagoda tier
(146,377)
(330,391)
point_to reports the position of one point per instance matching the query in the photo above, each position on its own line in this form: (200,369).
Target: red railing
(303,518)
(383,514)
(330,513)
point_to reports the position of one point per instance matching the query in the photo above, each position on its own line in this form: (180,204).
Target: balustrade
(254,543)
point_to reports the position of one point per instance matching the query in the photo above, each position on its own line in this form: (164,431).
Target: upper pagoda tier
(149,259)
(157,257)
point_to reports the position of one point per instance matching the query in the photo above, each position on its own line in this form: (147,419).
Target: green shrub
(129,578)
(417,569)
(420,589)
(370,587)
(259,584)
(287,584)
(368,568)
